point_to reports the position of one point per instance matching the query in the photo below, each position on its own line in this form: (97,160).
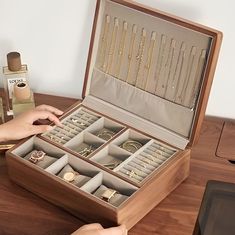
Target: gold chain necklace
(149,58)
(121,48)
(139,56)
(179,66)
(112,45)
(188,74)
(197,77)
(169,65)
(160,59)
(104,42)
(130,53)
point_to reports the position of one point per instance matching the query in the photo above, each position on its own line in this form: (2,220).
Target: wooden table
(22,212)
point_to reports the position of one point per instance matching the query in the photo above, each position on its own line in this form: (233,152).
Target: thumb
(120,230)
(38,129)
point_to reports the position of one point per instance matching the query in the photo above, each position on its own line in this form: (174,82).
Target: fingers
(39,129)
(89,227)
(121,230)
(49,108)
(39,114)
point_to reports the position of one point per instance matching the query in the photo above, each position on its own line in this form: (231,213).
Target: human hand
(22,126)
(97,229)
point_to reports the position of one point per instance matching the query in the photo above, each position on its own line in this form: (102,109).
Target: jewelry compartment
(106,129)
(110,156)
(74,124)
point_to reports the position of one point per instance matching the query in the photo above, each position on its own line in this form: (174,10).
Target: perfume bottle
(22,98)
(14,72)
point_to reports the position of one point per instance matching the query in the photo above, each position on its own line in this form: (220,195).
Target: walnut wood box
(147,80)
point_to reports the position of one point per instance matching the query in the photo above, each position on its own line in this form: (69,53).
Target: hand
(97,229)
(22,126)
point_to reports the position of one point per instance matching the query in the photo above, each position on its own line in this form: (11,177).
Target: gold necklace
(139,56)
(149,58)
(112,45)
(197,77)
(169,64)
(179,66)
(121,48)
(130,53)
(188,74)
(160,59)
(104,42)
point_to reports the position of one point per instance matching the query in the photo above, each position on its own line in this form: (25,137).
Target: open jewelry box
(127,145)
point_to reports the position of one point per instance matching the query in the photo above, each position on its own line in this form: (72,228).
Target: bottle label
(11,82)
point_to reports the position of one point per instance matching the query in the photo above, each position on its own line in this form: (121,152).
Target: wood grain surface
(24,213)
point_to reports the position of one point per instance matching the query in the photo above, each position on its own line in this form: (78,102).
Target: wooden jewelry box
(127,145)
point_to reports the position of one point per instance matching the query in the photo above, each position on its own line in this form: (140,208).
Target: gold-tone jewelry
(139,167)
(78,122)
(149,161)
(153,158)
(131,145)
(36,156)
(104,41)
(160,59)
(111,165)
(148,64)
(188,74)
(179,66)
(86,151)
(130,53)
(112,45)
(139,56)
(70,176)
(106,134)
(121,48)
(199,70)
(145,163)
(108,194)
(169,64)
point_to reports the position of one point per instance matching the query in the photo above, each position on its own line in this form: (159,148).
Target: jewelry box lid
(153,65)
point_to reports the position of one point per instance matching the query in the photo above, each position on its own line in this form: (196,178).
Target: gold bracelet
(197,77)
(139,56)
(112,45)
(130,53)
(131,145)
(188,74)
(121,48)
(148,64)
(179,66)
(104,40)
(160,60)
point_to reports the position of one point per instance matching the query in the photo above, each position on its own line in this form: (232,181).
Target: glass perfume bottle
(14,72)
(22,98)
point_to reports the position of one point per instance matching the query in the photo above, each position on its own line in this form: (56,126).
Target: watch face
(69,176)
(37,156)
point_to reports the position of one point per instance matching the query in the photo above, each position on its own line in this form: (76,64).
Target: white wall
(53,38)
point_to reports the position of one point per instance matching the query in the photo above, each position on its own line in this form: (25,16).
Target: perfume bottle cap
(14,61)
(22,90)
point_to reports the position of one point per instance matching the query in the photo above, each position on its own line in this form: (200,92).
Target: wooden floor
(22,213)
